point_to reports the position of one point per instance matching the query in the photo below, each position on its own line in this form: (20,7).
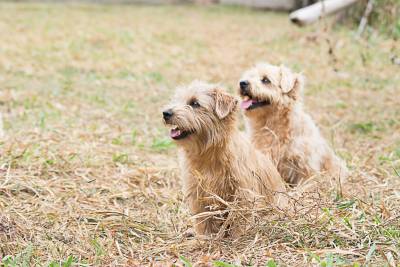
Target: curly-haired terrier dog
(278,125)
(218,163)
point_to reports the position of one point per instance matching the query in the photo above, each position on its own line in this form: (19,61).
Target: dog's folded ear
(224,103)
(291,83)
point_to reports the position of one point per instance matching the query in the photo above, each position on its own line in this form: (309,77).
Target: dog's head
(265,86)
(202,113)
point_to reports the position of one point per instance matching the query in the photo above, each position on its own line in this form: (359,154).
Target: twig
(364,19)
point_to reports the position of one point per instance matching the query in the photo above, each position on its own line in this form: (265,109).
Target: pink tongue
(246,104)
(175,133)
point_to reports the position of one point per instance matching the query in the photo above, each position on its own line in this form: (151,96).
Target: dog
(219,165)
(279,126)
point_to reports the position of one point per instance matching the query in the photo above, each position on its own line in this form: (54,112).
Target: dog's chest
(219,182)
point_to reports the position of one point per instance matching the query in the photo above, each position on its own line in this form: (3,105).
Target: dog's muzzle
(175,132)
(249,102)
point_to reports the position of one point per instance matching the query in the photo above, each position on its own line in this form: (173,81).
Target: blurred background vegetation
(384,18)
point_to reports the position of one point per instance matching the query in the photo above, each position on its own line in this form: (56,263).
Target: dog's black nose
(167,114)
(244,85)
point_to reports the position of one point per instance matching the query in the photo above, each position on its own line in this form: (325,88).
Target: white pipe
(312,13)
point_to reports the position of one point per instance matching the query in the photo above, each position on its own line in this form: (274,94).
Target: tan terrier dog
(218,163)
(278,125)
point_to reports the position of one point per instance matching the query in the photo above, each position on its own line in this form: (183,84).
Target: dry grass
(87,172)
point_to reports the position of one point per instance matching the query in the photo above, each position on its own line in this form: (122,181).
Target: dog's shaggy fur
(278,125)
(218,162)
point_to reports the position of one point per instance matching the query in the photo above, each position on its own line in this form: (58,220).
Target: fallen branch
(364,19)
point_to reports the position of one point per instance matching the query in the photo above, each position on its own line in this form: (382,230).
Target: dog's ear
(224,103)
(291,83)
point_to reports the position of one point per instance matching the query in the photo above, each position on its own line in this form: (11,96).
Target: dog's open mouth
(251,103)
(178,134)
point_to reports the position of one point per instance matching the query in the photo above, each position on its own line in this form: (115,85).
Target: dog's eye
(194,104)
(265,80)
